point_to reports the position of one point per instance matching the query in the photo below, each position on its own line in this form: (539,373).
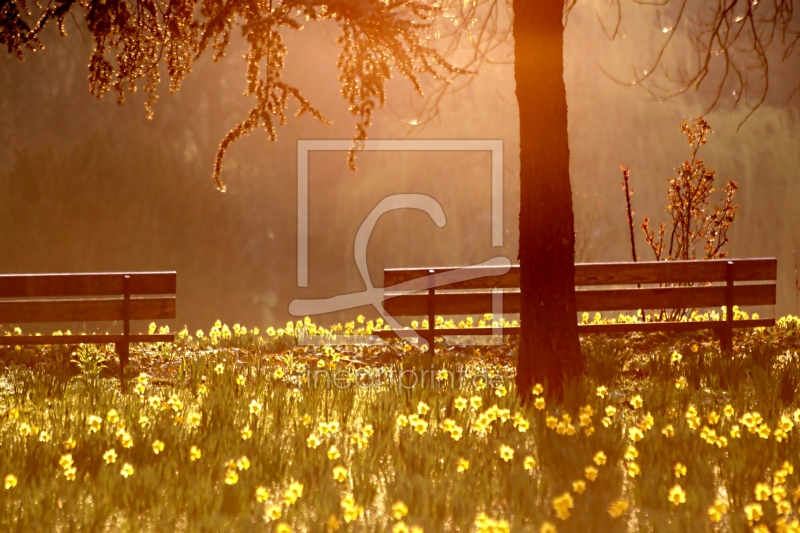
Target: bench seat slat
(587,300)
(586,274)
(35,311)
(82,339)
(585,329)
(99,284)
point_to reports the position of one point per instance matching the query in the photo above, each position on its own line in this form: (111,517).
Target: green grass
(213,392)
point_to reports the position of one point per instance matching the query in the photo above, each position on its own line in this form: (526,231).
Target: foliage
(688,204)
(229,431)
(132,38)
(688,200)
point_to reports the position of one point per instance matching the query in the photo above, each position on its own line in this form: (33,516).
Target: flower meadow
(239,430)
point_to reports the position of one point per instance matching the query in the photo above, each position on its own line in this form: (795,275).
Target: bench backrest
(460,296)
(37,298)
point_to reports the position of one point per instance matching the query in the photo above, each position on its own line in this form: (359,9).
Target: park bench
(614,287)
(95,297)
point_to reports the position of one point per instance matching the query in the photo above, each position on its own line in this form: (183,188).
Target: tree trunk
(549,346)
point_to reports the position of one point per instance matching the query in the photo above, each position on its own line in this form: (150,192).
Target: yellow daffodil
(127,470)
(617,508)
(399,510)
(262,494)
(676,495)
(599,458)
(339,473)
(195,453)
(110,456)
(562,504)
(529,463)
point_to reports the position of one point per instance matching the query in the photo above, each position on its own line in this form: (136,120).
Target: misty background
(88,185)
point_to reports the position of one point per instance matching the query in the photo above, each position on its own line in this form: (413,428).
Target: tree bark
(549,346)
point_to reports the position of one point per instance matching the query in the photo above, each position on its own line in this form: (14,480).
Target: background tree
(733,40)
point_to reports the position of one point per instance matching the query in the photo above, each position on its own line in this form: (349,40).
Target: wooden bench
(694,285)
(40,298)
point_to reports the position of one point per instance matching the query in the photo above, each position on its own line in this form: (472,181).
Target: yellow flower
(753,512)
(562,504)
(65,461)
(602,391)
(339,473)
(283,527)
(420,426)
(422,408)
(278,374)
(110,456)
(158,446)
(778,493)
(94,423)
(506,453)
(762,492)
(617,508)
(636,401)
(579,486)
(231,477)
(195,453)
(313,441)
(402,421)
(539,403)
(529,463)
(679,470)
(635,434)
(292,493)
(70,473)
(195,419)
(712,417)
(246,433)
(399,510)
(456,433)
(255,407)
(70,443)
(677,495)
(681,383)
(763,431)
(633,469)
(460,403)
(127,470)
(728,411)
(112,417)
(547,527)
(333,453)
(400,527)
(500,391)
(475,402)
(126,440)
(262,494)
(537,389)
(274,512)
(462,465)
(735,433)
(590,472)
(44,436)
(631,453)
(716,511)
(11,481)
(243,463)
(599,458)
(610,411)
(676,358)
(551,422)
